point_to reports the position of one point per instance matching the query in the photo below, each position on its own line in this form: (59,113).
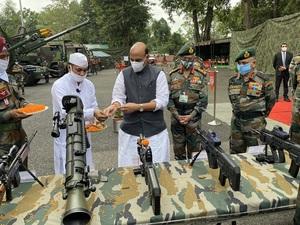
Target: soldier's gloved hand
(100,115)
(16,114)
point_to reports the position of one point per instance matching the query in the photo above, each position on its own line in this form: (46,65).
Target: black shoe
(286,100)
(276,98)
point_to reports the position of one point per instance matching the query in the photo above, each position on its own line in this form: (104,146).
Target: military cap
(187,49)
(245,54)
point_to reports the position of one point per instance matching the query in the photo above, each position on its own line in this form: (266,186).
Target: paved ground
(105,143)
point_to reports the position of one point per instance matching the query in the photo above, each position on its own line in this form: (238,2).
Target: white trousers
(127,148)
(60,155)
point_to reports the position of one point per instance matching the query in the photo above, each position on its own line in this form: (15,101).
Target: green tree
(201,13)
(160,33)
(122,22)
(60,15)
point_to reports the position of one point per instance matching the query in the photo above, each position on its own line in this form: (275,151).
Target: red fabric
(2,43)
(282,112)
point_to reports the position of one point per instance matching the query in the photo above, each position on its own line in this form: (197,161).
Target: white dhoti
(127,148)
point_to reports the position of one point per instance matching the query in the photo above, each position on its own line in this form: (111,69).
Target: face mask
(3,68)
(284,49)
(3,65)
(244,68)
(76,77)
(187,64)
(137,66)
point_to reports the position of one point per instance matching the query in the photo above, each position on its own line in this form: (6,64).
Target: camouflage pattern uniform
(189,195)
(295,126)
(17,70)
(193,85)
(11,131)
(252,98)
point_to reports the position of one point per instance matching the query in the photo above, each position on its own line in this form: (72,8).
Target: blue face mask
(187,64)
(244,68)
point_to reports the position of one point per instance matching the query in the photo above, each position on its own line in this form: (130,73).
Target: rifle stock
(217,158)
(279,141)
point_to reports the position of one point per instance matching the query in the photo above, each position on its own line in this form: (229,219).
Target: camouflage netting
(267,38)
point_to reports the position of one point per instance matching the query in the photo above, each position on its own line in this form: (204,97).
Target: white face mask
(137,66)
(76,77)
(284,49)
(3,65)
(3,68)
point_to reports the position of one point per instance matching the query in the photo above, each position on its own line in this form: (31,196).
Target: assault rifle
(9,169)
(278,140)
(147,170)
(218,158)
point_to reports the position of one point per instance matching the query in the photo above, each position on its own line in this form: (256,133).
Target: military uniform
(17,71)
(252,97)
(11,131)
(188,96)
(295,126)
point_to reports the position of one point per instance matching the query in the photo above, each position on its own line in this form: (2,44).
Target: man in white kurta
(140,90)
(74,83)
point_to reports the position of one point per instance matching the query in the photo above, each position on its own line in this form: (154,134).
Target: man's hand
(281,68)
(184,119)
(100,115)
(110,110)
(130,107)
(16,114)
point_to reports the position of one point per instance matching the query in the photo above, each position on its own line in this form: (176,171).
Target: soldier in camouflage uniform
(17,71)
(11,131)
(252,97)
(295,126)
(188,99)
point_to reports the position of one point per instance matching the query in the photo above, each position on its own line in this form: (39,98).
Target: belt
(249,115)
(184,106)
(10,126)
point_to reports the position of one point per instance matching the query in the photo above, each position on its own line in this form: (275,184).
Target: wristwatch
(141,107)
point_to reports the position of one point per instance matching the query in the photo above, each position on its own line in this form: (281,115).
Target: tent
(267,38)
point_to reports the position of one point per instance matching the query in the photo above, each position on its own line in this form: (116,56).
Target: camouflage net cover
(267,38)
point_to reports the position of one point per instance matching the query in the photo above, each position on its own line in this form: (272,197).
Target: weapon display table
(187,194)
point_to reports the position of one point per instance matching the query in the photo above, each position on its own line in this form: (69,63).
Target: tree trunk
(196,27)
(208,21)
(275,8)
(247,13)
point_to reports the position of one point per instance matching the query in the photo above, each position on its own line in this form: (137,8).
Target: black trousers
(285,77)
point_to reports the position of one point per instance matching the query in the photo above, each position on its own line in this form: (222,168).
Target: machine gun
(22,44)
(9,169)
(78,185)
(278,140)
(147,170)
(218,158)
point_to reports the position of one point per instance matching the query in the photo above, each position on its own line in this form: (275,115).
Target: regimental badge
(4,93)
(191,50)
(254,89)
(246,54)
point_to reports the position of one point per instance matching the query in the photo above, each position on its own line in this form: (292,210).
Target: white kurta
(159,143)
(86,91)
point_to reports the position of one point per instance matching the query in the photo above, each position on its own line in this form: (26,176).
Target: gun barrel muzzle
(76,212)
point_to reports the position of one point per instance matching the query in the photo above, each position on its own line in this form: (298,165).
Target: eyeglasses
(137,60)
(79,70)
